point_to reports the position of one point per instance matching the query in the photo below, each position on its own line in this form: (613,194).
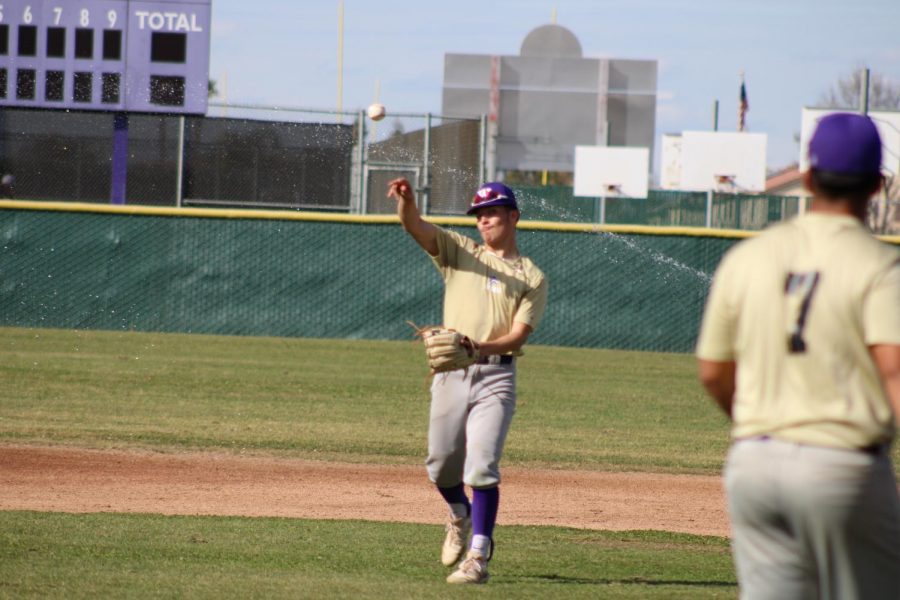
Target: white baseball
(376,111)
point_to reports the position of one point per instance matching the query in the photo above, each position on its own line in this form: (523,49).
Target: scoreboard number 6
(799,289)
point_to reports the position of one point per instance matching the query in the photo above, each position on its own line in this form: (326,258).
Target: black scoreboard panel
(113,55)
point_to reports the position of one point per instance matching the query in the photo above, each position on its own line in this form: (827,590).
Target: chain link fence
(661,208)
(292,276)
(246,157)
(301,159)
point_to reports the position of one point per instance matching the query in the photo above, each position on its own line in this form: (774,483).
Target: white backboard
(723,161)
(887,122)
(611,172)
(670,172)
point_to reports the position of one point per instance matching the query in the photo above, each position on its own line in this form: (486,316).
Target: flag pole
(743,105)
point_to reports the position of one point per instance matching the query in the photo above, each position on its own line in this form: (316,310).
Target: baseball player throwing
(494,298)
(800,346)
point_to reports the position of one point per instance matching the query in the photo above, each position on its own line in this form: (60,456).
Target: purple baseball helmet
(846,143)
(493,194)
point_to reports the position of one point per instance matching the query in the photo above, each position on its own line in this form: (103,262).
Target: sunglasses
(487,195)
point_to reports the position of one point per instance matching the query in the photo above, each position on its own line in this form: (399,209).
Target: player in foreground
(494,298)
(800,346)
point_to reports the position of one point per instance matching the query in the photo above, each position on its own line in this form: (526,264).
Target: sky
(284,53)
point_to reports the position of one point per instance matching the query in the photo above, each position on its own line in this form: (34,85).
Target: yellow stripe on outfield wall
(285,215)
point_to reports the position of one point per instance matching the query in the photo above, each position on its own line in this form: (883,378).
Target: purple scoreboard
(120,56)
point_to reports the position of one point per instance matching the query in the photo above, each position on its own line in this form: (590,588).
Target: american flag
(743,108)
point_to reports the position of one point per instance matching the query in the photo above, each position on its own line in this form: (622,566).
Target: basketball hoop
(613,188)
(725,179)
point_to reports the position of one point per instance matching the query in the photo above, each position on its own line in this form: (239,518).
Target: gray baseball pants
(471,411)
(813,522)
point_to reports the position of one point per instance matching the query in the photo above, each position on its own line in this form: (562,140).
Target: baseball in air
(376,111)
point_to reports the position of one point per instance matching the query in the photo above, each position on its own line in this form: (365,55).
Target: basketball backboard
(887,122)
(723,161)
(670,172)
(611,172)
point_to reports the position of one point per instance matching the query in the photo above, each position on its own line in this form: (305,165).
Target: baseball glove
(446,349)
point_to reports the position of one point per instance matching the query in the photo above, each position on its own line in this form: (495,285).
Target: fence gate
(375,182)
(443,157)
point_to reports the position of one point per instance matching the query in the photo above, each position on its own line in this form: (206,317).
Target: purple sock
(484,511)
(456,495)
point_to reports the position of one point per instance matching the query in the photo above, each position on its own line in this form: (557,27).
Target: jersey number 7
(799,289)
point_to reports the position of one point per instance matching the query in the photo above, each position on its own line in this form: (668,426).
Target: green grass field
(361,401)
(49,555)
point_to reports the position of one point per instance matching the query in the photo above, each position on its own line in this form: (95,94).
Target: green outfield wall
(84,266)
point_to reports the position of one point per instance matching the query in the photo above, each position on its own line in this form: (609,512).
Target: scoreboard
(112,55)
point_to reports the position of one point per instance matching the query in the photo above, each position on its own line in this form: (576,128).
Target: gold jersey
(797,308)
(485,294)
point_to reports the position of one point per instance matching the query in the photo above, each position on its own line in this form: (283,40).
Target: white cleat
(471,570)
(456,541)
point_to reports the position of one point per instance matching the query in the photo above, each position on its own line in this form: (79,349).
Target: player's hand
(470,346)
(401,190)
(423,232)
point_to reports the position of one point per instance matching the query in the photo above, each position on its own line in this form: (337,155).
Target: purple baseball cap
(846,143)
(493,194)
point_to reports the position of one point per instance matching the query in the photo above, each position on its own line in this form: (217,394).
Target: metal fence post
(179,163)
(709,205)
(482,149)
(119,178)
(864,91)
(426,160)
(361,159)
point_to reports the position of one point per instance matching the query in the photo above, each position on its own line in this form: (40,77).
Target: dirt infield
(74,480)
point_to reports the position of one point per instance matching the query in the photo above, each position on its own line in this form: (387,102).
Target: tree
(884,212)
(884,94)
